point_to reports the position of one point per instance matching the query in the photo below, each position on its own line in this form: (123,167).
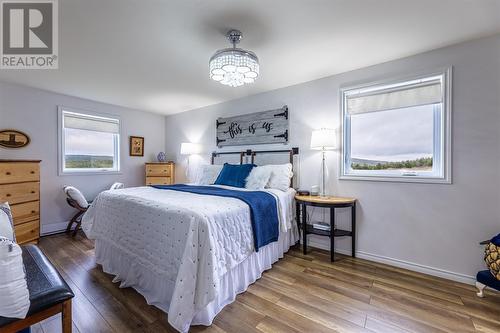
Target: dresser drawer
(25,212)
(158,181)
(158,170)
(19,172)
(20,192)
(27,232)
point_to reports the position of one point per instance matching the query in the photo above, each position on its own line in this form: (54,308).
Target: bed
(188,254)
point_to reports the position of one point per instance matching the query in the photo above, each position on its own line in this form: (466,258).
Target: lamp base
(324,175)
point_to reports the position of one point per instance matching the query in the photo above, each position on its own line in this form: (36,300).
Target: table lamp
(323,139)
(188,148)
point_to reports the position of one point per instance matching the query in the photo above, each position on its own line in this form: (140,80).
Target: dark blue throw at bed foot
(263,209)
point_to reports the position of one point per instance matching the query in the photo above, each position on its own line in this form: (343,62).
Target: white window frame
(61,144)
(443,130)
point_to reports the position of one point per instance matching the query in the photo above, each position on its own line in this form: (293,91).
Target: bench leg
(74,219)
(78,225)
(66,317)
(480,287)
(70,223)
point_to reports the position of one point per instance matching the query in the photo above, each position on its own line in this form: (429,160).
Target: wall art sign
(13,139)
(264,127)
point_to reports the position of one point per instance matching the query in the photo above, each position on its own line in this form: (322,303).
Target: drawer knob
(7,195)
(8,173)
(33,192)
(32,172)
(33,211)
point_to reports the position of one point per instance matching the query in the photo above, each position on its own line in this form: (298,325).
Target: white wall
(34,112)
(427,227)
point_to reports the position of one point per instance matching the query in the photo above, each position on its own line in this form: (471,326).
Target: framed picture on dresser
(136,146)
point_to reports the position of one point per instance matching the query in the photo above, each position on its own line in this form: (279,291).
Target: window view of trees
(89,149)
(424,163)
(397,130)
(393,140)
(88,161)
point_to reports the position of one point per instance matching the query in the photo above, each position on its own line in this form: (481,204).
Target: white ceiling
(153,54)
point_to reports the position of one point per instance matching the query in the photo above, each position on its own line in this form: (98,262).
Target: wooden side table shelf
(326,202)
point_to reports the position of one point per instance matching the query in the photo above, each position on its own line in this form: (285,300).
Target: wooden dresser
(20,187)
(160,173)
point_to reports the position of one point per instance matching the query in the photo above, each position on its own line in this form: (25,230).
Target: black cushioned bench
(49,293)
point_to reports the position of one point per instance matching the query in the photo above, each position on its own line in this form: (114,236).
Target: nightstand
(160,173)
(303,201)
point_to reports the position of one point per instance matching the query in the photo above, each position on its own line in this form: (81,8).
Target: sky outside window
(88,149)
(393,135)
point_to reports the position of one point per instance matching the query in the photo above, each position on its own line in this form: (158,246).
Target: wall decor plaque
(264,127)
(13,139)
(136,146)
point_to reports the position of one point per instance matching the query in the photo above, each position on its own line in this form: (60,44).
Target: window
(398,131)
(89,143)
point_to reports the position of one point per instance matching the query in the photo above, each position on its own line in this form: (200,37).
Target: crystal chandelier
(234,66)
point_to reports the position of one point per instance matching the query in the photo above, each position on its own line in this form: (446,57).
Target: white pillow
(6,223)
(76,195)
(14,293)
(258,178)
(207,174)
(281,174)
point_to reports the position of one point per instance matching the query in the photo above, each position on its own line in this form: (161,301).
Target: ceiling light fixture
(234,66)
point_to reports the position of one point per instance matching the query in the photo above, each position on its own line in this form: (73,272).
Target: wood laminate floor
(299,294)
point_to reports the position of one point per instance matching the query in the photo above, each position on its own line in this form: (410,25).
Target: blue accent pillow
(234,174)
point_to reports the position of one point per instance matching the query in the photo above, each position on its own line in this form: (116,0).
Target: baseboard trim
(53,228)
(454,276)
(458,277)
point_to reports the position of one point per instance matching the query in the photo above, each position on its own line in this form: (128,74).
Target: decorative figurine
(161,157)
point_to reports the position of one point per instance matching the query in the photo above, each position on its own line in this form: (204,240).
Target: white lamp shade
(188,148)
(323,139)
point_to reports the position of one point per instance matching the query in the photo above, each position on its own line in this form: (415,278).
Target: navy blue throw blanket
(263,209)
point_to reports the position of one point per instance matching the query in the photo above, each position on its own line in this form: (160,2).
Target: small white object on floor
(480,287)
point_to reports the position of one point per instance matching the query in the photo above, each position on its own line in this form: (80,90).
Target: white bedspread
(187,240)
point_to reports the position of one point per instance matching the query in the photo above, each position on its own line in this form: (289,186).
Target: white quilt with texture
(191,240)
